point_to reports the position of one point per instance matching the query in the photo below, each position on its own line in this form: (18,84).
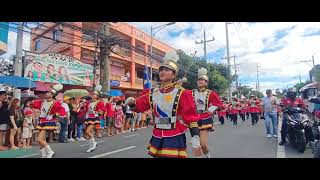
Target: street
(227,141)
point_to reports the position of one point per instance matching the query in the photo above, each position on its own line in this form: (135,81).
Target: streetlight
(153,34)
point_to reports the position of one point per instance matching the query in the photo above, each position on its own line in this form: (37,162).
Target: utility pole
(228,58)
(300,78)
(18,59)
(313,61)
(204,42)
(96,65)
(258,83)
(104,58)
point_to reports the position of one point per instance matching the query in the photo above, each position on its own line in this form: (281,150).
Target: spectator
(80,120)
(27,128)
(124,110)
(4,117)
(110,117)
(269,105)
(148,117)
(73,111)
(64,121)
(119,117)
(129,118)
(16,121)
(143,120)
(138,121)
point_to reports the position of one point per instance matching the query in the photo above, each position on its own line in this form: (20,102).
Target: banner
(57,68)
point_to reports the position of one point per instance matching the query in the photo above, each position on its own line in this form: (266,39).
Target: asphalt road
(227,141)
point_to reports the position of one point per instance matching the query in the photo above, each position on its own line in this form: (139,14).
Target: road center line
(280,149)
(131,135)
(112,152)
(88,144)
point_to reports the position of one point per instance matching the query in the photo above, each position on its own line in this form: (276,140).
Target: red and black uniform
(174,111)
(49,113)
(243,110)
(233,111)
(222,113)
(254,109)
(205,99)
(94,112)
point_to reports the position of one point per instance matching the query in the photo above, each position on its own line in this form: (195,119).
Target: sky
(276,47)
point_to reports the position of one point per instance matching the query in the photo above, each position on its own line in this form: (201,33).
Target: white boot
(43,153)
(208,155)
(94,144)
(50,153)
(90,145)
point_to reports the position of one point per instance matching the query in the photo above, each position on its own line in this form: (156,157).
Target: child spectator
(27,129)
(119,117)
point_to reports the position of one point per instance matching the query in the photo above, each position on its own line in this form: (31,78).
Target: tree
(6,66)
(217,73)
(298,86)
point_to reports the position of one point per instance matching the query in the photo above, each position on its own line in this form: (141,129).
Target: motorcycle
(316,125)
(297,121)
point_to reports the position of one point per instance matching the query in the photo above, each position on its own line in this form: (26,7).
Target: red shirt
(254,106)
(110,110)
(288,102)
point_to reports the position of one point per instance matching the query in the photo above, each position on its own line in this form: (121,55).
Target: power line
(129,47)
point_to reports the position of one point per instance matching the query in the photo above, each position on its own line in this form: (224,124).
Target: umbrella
(76,93)
(113,92)
(16,81)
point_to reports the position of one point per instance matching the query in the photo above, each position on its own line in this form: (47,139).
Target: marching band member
(174,111)
(254,105)
(243,110)
(50,110)
(222,112)
(95,110)
(234,110)
(207,102)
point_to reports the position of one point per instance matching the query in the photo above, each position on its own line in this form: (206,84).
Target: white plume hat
(170,61)
(202,74)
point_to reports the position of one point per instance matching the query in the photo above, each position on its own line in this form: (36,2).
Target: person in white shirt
(64,121)
(269,104)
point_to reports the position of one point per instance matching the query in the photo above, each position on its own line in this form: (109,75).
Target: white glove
(195,141)
(49,117)
(212,108)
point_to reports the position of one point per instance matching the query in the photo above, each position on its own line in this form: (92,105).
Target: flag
(146,78)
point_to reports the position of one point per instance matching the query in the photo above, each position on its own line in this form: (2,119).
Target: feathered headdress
(170,61)
(97,90)
(202,74)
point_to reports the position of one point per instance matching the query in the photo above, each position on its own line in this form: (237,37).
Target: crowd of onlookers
(18,121)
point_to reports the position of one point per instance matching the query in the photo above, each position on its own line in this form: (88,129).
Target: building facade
(127,66)
(313,72)
(4,29)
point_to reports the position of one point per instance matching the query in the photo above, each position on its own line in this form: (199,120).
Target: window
(37,45)
(56,35)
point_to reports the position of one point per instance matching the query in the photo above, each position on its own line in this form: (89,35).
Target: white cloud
(283,63)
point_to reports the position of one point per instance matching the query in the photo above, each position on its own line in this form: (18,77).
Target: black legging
(221,119)
(254,118)
(243,117)
(72,127)
(234,118)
